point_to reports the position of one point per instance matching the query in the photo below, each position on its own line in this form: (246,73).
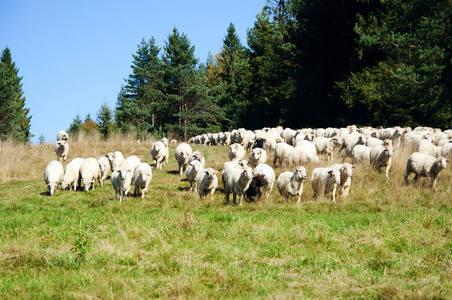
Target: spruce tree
(14,119)
(105,120)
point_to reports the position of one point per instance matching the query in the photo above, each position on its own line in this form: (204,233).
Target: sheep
(304,152)
(115,158)
(53,175)
(191,172)
(105,169)
(290,184)
(258,156)
(197,156)
(264,178)
(423,165)
(361,140)
(325,145)
(411,139)
(324,181)
(159,152)
(370,142)
(346,170)
(236,152)
(165,142)
(289,136)
(130,163)
(282,151)
(72,174)
(243,137)
(237,181)
(361,154)
(89,171)
(173,142)
(61,150)
(446,150)
(62,136)
(182,154)
(425,146)
(121,178)
(381,156)
(142,176)
(259,143)
(206,182)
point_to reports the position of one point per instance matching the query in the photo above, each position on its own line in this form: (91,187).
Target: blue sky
(73,55)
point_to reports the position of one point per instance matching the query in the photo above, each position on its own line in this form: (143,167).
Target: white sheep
(159,153)
(346,171)
(304,152)
(360,140)
(142,176)
(236,152)
(182,154)
(121,179)
(237,181)
(423,165)
(206,182)
(72,174)
(326,146)
(105,169)
(425,146)
(199,157)
(281,154)
(381,156)
(290,184)
(115,158)
(89,171)
(130,163)
(61,150)
(446,150)
(62,136)
(361,154)
(324,181)
(191,172)
(53,175)
(258,156)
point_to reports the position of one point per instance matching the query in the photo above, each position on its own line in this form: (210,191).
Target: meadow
(387,240)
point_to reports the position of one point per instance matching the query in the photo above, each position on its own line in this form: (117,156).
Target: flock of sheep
(248,176)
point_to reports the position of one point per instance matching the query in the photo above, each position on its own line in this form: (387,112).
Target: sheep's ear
(394,148)
(330,172)
(353,167)
(447,160)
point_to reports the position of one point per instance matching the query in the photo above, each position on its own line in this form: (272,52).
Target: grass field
(387,240)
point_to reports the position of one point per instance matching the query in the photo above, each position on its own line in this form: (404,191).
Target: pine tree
(140,103)
(14,119)
(75,127)
(105,120)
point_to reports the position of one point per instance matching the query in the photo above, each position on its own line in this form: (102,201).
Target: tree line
(306,63)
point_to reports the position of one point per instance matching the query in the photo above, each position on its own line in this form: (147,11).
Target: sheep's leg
(334,192)
(405,176)
(387,170)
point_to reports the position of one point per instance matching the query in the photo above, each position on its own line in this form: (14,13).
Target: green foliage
(105,120)
(75,127)
(14,119)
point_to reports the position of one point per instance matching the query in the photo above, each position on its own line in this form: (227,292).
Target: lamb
(159,152)
(290,184)
(89,171)
(53,175)
(182,154)
(62,136)
(381,156)
(199,157)
(206,182)
(61,150)
(236,152)
(105,169)
(324,181)
(142,176)
(72,174)
(346,180)
(361,154)
(121,178)
(423,165)
(192,171)
(282,151)
(264,178)
(237,181)
(115,158)
(130,163)
(304,152)
(258,156)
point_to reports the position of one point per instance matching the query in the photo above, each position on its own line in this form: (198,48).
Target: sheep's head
(248,173)
(335,175)
(300,172)
(347,169)
(259,180)
(111,157)
(441,162)
(210,174)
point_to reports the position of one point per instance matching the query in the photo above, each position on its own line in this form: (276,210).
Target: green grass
(386,240)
